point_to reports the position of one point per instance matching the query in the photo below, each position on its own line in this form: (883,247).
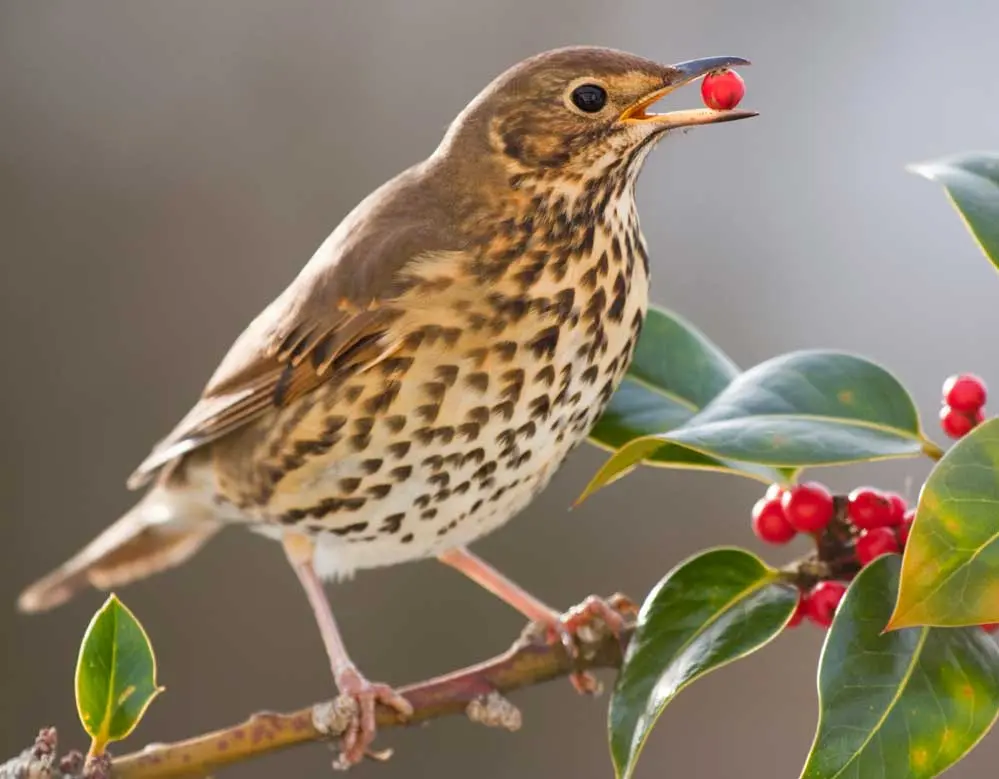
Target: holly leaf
(950,571)
(707,612)
(115,675)
(971,181)
(675,372)
(908,704)
(801,409)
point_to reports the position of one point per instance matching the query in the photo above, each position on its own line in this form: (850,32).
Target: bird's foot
(585,625)
(353,715)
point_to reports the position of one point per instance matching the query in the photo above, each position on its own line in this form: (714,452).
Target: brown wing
(333,316)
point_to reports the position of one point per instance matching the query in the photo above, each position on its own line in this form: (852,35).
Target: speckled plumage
(434,363)
(484,393)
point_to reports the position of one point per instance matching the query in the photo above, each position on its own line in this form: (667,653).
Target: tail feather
(159,532)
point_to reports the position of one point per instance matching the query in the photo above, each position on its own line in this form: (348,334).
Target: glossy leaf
(950,573)
(708,611)
(115,675)
(676,371)
(907,704)
(971,181)
(801,409)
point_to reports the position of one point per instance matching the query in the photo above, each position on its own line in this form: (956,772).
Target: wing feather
(332,320)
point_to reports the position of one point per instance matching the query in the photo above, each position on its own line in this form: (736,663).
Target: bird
(430,368)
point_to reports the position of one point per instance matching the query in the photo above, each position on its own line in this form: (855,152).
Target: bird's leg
(562,627)
(349,680)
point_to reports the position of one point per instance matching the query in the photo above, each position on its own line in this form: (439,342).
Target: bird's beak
(683,73)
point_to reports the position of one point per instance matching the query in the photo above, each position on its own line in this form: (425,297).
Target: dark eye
(589,98)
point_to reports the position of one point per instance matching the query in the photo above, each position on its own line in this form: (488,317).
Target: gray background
(165,168)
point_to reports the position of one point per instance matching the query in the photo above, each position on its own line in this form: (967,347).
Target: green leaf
(907,704)
(971,181)
(950,572)
(708,611)
(676,371)
(115,675)
(801,409)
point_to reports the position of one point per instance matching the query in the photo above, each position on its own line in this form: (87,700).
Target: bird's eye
(589,98)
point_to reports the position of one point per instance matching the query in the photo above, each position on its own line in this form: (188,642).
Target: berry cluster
(850,531)
(963,404)
(861,527)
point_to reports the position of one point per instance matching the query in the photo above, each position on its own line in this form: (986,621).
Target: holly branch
(477,691)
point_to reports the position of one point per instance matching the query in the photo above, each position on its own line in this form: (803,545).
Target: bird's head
(575,110)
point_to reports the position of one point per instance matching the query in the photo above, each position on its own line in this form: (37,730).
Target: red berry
(958,424)
(822,601)
(799,612)
(808,506)
(769,522)
(898,507)
(722,90)
(964,392)
(875,542)
(905,528)
(869,508)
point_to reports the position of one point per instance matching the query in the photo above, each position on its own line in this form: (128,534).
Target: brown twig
(476,691)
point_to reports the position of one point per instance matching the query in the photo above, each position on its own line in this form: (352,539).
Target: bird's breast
(489,383)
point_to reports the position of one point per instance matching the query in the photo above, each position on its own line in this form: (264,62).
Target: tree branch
(476,691)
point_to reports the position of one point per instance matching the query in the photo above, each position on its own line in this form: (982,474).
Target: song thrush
(430,368)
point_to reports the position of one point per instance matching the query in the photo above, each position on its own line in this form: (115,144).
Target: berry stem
(931,450)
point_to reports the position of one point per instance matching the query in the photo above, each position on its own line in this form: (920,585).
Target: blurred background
(166,168)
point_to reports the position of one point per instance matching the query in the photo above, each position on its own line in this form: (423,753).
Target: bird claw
(585,624)
(586,683)
(356,708)
(610,612)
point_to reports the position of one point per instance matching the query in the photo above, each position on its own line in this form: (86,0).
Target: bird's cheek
(624,138)
(536,149)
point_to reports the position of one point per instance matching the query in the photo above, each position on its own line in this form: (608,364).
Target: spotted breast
(500,359)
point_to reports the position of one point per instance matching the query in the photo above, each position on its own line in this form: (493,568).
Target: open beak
(684,73)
